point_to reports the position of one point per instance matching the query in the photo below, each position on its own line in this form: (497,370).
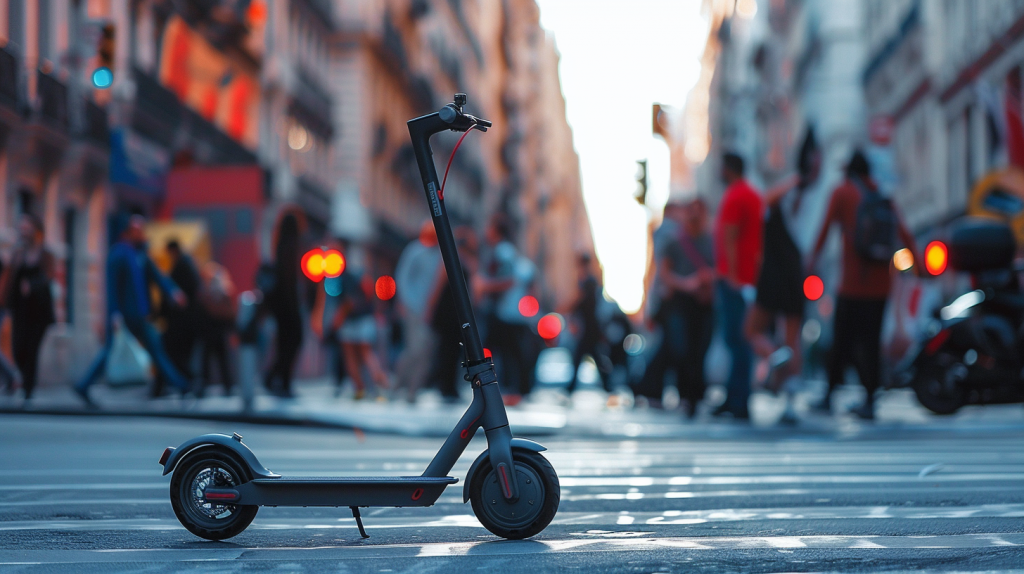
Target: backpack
(874,233)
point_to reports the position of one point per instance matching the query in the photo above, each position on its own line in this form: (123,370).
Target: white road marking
(517,548)
(666,518)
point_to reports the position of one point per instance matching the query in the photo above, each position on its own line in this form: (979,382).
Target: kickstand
(359,521)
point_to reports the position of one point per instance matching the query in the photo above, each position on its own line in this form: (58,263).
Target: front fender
(520,443)
(224,441)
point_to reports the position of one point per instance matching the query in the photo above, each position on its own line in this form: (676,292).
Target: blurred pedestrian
(589,337)
(738,235)
(281,300)
(183,323)
(870,226)
(508,279)
(444,319)
(326,301)
(356,325)
(780,294)
(26,288)
(416,274)
(663,309)
(217,301)
(9,375)
(129,274)
(691,277)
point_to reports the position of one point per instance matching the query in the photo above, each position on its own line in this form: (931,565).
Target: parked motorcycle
(973,352)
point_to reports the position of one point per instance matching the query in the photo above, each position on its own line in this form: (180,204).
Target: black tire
(538,501)
(192,474)
(935,388)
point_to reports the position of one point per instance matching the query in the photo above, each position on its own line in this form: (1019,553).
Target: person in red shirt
(863,289)
(738,236)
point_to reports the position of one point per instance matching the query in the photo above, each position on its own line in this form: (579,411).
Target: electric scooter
(217,483)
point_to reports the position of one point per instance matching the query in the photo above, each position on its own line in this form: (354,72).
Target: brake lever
(479,123)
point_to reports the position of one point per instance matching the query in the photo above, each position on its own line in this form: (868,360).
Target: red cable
(440,194)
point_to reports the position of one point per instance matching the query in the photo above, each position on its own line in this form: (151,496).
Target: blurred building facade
(779,70)
(223,112)
(403,58)
(947,76)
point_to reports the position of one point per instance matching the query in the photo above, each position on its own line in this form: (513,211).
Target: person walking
(780,294)
(130,271)
(26,286)
(738,236)
(416,274)
(281,300)
(183,323)
(588,328)
(664,311)
(356,325)
(508,279)
(217,317)
(870,226)
(690,276)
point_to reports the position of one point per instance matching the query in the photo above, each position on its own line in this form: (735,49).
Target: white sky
(618,58)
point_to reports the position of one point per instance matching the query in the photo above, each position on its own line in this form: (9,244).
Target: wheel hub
(206,478)
(517,514)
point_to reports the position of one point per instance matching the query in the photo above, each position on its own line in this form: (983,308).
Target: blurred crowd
(741,273)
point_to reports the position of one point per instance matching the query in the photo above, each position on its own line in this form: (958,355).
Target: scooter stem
(487,409)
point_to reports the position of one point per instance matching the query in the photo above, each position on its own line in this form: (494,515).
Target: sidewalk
(546,413)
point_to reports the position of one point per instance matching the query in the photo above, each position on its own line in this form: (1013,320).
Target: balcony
(52,97)
(311,106)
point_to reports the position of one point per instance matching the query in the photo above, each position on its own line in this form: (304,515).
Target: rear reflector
(166,455)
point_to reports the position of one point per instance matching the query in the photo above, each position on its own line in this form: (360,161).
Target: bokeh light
(313,265)
(903,259)
(549,326)
(814,287)
(385,287)
(528,306)
(102,77)
(334,263)
(936,256)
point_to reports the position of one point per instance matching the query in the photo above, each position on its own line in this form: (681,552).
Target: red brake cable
(440,194)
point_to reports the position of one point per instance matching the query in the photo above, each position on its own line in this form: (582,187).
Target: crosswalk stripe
(596,542)
(665,518)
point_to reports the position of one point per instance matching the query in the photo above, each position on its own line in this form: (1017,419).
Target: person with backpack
(871,228)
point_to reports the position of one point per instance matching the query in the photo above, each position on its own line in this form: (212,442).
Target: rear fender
(517,443)
(220,441)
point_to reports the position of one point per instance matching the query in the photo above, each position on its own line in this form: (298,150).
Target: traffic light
(103,75)
(641,182)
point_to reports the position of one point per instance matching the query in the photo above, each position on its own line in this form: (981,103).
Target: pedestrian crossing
(959,498)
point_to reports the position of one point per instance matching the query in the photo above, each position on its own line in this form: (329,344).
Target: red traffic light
(385,287)
(549,326)
(936,257)
(528,306)
(814,287)
(319,263)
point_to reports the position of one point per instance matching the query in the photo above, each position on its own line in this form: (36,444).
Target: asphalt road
(85,494)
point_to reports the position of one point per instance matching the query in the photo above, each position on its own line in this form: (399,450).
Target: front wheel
(539,494)
(195,473)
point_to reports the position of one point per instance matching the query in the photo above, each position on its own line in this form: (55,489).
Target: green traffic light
(102,77)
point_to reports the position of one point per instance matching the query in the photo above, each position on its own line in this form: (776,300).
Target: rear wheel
(938,385)
(209,468)
(539,494)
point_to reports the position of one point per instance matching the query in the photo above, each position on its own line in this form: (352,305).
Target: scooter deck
(342,491)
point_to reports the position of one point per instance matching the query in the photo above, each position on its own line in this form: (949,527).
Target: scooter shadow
(504,547)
